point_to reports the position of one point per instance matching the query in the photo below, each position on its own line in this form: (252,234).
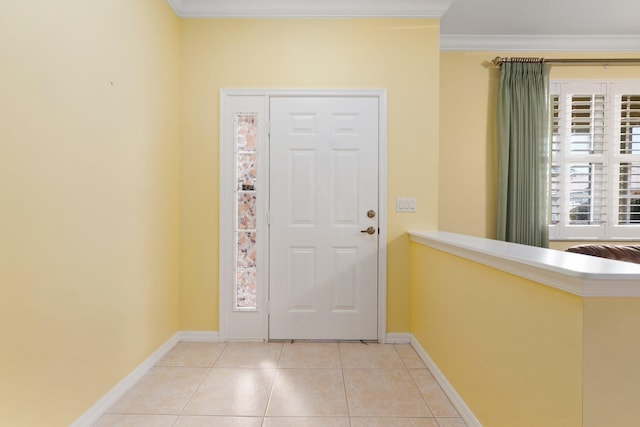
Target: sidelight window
(246,159)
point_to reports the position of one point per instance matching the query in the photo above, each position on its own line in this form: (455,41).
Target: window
(595,160)
(246,156)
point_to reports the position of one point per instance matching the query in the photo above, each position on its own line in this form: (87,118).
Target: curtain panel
(523,153)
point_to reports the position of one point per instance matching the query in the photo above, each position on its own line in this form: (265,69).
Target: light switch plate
(405,204)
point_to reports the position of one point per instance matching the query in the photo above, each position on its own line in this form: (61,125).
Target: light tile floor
(300,384)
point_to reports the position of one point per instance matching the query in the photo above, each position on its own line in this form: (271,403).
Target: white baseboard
(398,338)
(102,405)
(454,397)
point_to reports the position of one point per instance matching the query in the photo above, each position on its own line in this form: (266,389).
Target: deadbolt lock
(371,213)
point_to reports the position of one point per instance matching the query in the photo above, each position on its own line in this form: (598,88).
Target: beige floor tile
(451,422)
(118,420)
(192,354)
(310,355)
(308,392)
(250,355)
(434,396)
(359,355)
(410,357)
(393,422)
(164,390)
(383,393)
(304,384)
(305,422)
(232,392)
(208,421)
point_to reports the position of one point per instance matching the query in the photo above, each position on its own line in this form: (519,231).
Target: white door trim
(227,180)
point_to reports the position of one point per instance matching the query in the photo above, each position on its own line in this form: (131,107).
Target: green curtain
(523,153)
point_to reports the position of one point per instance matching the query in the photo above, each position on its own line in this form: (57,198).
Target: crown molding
(310,9)
(585,43)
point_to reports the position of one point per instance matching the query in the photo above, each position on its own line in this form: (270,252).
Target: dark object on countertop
(628,253)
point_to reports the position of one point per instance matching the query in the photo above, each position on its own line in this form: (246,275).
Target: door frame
(259,322)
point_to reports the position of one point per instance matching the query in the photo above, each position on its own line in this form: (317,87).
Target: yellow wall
(468,155)
(611,374)
(400,55)
(467,148)
(511,348)
(89,210)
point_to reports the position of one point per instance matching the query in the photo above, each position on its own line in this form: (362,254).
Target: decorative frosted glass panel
(246,288)
(246,139)
(246,249)
(246,211)
(247,171)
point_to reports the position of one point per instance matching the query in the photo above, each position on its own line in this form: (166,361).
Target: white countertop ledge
(582,275)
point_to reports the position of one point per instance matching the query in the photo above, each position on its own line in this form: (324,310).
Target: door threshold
(294,341)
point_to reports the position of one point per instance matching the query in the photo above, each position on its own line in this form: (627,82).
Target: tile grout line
(344,384)
(395,347)
(273,381)
(424,399)
(410,370)
(206,374)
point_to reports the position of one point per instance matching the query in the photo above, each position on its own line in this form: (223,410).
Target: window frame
(611,158)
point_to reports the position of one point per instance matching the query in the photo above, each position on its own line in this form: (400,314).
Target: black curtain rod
(498,61)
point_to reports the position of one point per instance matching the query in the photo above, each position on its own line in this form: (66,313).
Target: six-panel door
(323,198)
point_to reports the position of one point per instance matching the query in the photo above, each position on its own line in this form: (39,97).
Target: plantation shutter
(556,167)
(579,160)
(595,160)
(629,155)
(587,179)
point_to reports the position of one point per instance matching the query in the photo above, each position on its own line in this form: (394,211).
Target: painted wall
(400,55)
(89,210)
(468,157)
(511,348)
(611,374)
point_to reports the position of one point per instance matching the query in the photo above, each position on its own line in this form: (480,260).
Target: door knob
(369,230)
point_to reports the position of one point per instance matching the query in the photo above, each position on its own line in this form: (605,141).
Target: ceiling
(574,25)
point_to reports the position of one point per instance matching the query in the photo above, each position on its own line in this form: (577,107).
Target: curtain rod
(498,61)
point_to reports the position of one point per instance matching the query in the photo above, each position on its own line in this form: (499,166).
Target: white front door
(323,264)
